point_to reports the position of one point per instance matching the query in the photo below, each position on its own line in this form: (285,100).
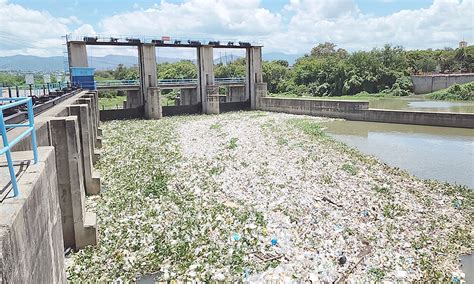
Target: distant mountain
(31,63)
(26,63)
(291,58)
(226,59)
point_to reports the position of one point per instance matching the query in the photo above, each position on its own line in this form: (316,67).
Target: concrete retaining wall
(31,238)
(424,84)
(329,108)
(72,128)
(358,110)
(461,120)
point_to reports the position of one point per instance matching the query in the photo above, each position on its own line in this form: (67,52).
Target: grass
(308,126)
(392,210)
(350,169)
(232,143)
(111,103)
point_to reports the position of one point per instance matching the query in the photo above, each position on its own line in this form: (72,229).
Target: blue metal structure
(83,77)
(6,103)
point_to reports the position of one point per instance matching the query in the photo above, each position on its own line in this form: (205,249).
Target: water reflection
(441,153)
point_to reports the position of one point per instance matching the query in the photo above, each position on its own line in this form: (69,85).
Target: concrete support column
(212,100)
(77,53)
(254,74)
(205,74)
(91,178)
(153,103)
(148,81)
(79,228)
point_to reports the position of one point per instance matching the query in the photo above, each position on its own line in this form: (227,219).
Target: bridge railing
(234,80)
(8,103)
(124,83)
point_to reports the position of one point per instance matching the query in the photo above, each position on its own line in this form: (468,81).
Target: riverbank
(264,196)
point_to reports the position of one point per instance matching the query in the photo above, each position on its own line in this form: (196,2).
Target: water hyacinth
(259,196)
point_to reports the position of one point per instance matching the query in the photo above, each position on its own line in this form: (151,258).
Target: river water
(441,153)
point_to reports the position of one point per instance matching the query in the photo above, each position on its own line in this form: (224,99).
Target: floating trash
(274,242)
(342,260)
(236,237)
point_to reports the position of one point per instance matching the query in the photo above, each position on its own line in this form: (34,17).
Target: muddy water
(441,153)
(419,103)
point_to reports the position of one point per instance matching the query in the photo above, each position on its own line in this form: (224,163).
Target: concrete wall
(424,84)
(72,128)
(31,239)
(236,94)
(359,110)
(134,99)
(462,120)
(329,108)
(188,97)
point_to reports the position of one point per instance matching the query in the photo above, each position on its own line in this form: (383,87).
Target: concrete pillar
(153,103)
(91,178)
(254,73)
(77,53)
(205,74)
(79,228)
(188,96)
(148,80)
(92,126)
(212,100)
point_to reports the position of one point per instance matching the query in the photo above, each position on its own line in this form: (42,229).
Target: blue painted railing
(32,90)
(6,103)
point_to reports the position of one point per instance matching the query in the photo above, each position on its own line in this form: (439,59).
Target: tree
(184,69)
(275,73)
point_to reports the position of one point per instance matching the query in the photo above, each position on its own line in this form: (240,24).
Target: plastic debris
(274,241)
(236,237)
(265,190)
(342,260)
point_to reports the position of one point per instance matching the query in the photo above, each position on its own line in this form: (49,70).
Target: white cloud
(30,32)
(300,25)
(442,24)
(196,18)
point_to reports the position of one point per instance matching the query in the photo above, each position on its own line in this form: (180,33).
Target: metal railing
(37,90)
(7,103)
(123,83)
(233,80)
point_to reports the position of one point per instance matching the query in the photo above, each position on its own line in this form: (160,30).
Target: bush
(464,92)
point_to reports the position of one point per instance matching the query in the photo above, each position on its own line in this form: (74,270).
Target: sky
(37,27)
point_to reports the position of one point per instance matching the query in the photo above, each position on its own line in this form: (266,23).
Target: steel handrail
(30,130)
